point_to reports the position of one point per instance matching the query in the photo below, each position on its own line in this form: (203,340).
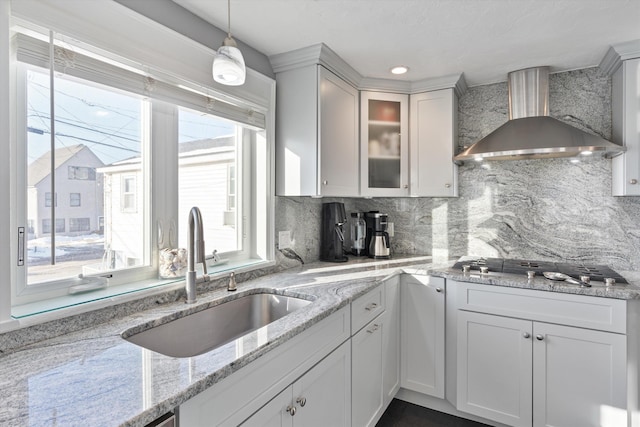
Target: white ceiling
(485,39)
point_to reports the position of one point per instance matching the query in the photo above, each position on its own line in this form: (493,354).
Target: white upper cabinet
(317,134)
(332,140)
(433,136)
(626,128)
(384,144)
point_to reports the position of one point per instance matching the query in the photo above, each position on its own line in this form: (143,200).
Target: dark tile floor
(403,414)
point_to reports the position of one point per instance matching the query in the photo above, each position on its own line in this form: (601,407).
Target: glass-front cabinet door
(384,144)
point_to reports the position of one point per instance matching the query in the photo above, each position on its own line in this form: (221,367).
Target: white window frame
(123,185)
(72,200)
(163,52)
(232,176)
(48,199)
(77,219)
(25,294)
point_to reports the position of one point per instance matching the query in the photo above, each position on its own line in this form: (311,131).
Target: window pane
(97,138)
(207,171)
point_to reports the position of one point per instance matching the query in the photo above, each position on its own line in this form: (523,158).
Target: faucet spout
(195,254)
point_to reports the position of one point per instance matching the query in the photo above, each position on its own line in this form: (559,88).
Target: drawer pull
(291,410)
(373,328)
(539,337)
(371,306)
(438,290)
(301,401)
(526,335)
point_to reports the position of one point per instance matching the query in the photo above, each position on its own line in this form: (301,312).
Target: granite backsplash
(535,209)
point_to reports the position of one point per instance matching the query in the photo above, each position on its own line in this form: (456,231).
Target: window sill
(69,305)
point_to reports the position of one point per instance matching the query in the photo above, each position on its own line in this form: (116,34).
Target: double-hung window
(129,154)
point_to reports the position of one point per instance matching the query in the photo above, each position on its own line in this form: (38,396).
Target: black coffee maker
(332,239)
(377,241)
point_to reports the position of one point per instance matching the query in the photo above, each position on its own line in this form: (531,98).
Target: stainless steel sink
(215,326)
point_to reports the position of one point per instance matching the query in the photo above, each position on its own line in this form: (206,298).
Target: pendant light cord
(229,17)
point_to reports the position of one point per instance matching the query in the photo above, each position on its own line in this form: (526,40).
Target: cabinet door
(322,396)
(494,368)
(433,138)
(626,128)
(384,150)
(422,334)
(391,341)
(579,377)
(296,132)
(276,413)
(367,351)
(339,172)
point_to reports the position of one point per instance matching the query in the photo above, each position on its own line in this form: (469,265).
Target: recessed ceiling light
(400,69)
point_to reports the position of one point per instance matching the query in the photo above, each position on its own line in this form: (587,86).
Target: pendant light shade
(228,63)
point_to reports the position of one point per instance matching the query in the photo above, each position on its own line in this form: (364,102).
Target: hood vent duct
(530,133)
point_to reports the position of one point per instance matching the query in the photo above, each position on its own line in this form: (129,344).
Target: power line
(69,123)
(58,134)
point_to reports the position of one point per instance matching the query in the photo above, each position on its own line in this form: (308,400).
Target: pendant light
(228,63)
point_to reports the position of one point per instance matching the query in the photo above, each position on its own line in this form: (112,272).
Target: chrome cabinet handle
(371,306)
(291,410)
(526,335)
(438,290)
(374,328)
(406,186)
(325,182)
(633,181)
(301,401)
(447,185)
(539,337)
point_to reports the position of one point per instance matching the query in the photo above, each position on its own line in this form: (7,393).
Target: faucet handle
(232,282)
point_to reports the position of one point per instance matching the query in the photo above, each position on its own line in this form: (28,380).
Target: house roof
(185,149)
(203,144)
(40,168)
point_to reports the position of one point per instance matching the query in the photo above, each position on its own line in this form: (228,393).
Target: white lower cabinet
(494,367)
(367,373)
(391,341)
(579,377)
(422,334)
(522,373)
(321,397)
(375,369)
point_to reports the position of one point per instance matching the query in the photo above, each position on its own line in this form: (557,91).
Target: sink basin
(215,326)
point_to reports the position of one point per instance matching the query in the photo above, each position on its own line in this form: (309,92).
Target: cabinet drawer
(366,308)
(604,314)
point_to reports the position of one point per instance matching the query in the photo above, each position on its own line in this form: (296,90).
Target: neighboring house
(78,198)
(206,180)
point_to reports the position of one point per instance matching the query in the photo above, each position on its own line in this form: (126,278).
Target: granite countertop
(630,290)
(94,377)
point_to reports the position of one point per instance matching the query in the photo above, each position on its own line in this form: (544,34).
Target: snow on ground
(39,252)
(41,247)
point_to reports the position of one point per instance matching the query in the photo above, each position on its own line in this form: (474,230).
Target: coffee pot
(358,229)
(377,241)
(332,238)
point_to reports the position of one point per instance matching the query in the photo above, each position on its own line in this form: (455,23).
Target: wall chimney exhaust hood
(530,133)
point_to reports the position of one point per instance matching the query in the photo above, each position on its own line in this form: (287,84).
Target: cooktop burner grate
(519,266)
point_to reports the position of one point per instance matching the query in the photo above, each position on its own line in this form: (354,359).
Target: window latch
(20,246)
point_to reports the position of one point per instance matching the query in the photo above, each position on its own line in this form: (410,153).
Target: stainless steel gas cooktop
(595,272)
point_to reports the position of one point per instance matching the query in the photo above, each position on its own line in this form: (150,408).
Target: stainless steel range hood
(530,133)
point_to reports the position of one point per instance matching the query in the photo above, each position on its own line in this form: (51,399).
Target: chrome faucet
(195,254)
